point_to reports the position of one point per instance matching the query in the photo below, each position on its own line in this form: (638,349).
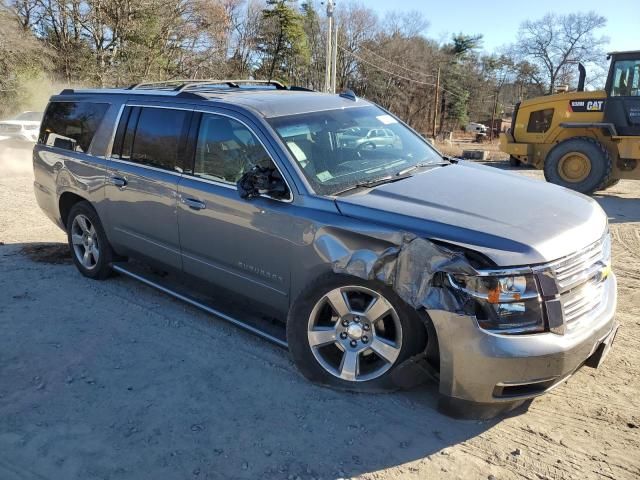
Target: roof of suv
(266,102)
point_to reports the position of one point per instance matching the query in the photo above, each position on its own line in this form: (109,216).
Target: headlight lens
(505,303)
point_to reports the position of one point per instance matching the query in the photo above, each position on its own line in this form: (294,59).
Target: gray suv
(377,267)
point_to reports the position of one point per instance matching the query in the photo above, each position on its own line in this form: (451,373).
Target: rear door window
(71,125)
(154,137)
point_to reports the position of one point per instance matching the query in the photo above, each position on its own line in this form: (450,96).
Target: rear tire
(581,164)
(90,249)
(354,346)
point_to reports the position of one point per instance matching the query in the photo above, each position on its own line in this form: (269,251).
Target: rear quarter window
(71,125)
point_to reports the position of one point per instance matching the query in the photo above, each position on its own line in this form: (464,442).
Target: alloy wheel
(84,239)
(355,333)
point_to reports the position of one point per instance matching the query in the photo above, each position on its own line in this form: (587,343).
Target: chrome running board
(191,301)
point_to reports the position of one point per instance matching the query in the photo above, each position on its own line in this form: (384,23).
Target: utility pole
(334,57)
(327,74)
(493,115)
(435,109)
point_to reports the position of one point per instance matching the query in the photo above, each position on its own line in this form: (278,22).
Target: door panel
(241,245)
(238,244)
(142,183)
(622,107)
(142,215)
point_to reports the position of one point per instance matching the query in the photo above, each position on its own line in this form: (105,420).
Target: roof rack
(190,84)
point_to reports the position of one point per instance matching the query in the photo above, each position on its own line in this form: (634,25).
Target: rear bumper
(481,367)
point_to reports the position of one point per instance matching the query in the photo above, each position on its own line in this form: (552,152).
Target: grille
(581,282)
(9,128)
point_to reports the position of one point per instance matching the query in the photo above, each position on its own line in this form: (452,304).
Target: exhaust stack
(583,74)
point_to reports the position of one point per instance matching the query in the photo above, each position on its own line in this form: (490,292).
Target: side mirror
(262,180)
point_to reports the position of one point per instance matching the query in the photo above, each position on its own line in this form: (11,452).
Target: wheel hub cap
(354,330)
(574,167)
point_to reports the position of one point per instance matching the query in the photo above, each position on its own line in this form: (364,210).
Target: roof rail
(182,85)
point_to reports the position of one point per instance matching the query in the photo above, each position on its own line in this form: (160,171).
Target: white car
(476,128)
(21,130)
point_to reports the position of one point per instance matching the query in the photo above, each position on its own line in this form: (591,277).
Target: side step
(250,323)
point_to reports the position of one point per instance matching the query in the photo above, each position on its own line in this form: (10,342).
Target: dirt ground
(113,380)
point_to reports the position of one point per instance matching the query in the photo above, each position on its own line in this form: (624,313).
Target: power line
(360,47)
(378,67)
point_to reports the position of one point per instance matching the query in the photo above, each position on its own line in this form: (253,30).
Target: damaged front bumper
(481,367)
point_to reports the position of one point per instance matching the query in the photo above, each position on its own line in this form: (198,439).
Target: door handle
(119,182)
(193,203)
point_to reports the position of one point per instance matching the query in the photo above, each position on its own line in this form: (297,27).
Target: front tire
(581,164)
(351,334)
(90,249)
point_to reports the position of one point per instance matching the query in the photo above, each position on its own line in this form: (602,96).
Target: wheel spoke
(384,349)
(86,258)
(338,302)
(318,338)
(76,239)
(82,222)
(349,365)
(378,308)
(94,254)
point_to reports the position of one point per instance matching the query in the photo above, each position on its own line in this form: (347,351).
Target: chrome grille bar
(580,282)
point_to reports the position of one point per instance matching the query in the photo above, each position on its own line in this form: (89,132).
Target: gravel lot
(114,380)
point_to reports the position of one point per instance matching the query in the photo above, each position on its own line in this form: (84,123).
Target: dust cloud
(15,161)
(34,95)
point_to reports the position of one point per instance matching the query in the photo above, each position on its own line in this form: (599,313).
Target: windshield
(338,149)
(30,116)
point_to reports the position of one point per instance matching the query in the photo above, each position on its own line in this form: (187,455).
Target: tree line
(387,59)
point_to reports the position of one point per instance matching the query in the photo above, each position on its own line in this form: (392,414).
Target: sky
(498,20)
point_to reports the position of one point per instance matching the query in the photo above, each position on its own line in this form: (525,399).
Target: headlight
(504,304)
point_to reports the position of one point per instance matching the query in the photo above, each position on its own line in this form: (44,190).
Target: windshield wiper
(422,164)
(374,183)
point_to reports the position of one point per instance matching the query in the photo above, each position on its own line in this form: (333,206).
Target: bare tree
(555,42)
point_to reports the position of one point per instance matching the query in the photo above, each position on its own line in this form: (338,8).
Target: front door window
(226,149)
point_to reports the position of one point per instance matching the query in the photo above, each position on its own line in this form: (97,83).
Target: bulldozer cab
(622,107)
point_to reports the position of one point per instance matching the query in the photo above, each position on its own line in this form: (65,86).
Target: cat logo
(595,105)
(586,105)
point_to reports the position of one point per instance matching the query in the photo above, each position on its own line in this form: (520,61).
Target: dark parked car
(382,263)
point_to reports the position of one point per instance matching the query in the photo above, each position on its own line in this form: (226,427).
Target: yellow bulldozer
(586,141)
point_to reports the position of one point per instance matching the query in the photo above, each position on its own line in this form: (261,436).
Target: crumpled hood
(512,219)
